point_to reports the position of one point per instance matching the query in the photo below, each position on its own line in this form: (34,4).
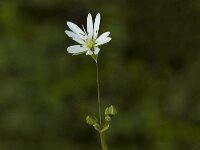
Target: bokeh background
(150,71)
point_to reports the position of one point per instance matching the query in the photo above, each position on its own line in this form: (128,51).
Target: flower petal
(89,52)
(74,36)
(96,26)
(103,41)
(96,50)
(102,38)
(104,35)
(89,26)
(76,29)
(75,49)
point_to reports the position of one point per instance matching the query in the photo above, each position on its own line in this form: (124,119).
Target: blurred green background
(150,71)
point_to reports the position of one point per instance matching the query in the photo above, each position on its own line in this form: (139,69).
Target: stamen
(84,30)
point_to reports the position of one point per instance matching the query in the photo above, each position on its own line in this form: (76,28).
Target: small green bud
(91,120)
(107,118)
(110,111)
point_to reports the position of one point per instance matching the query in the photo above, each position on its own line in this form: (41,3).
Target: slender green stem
(103,141)
(102,134)
(98,92)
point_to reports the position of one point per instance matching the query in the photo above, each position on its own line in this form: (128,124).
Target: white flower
(89,41)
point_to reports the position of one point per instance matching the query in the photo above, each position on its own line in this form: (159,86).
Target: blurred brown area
(150,71)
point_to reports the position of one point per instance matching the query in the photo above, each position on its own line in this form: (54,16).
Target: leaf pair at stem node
(93,121)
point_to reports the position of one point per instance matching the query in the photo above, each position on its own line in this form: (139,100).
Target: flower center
(90,44)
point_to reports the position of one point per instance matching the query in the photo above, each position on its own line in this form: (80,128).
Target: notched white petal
(102,38)
(96,50)
(89,26)
(74,36)
(89,52)
(103,41)
(96,26)
(75,49)
(76,29)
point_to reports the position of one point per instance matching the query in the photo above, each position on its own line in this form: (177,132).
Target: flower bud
(107,118)
(110,111)
(91,120)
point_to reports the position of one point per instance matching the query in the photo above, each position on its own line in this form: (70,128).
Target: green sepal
(94,56)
